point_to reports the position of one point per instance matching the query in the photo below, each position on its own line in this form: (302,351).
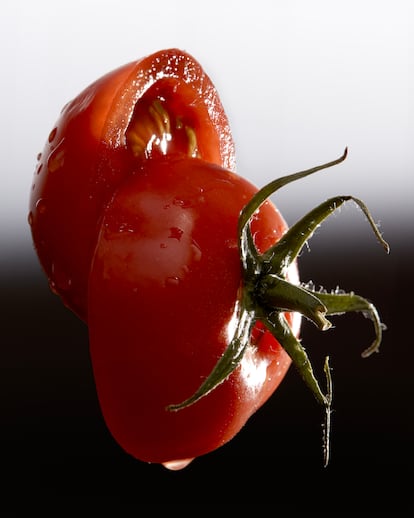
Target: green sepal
(277,324)
(276,292)
(281,255)
(339,303)
(265,192)
(227,362)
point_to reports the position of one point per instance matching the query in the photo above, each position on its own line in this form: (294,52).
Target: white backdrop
(300,80)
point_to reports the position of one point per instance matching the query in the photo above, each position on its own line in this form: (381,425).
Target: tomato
(163,292)
(184,271)
(87,155)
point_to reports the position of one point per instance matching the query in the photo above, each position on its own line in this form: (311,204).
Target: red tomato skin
(86,157)
(163,290)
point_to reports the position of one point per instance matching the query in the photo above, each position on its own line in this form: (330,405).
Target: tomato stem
(266,295)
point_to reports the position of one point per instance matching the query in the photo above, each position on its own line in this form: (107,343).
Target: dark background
(55,444)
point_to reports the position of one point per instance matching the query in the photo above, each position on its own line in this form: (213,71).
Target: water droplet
(30,218)
(52,134)
(60,281)
(176,233)
(39,156)
(172,281)
(52,287)
(125,227)
(195,251)
(175,465)
(56,158)
(41,206)
(231,243)
(39,168)
(185,204)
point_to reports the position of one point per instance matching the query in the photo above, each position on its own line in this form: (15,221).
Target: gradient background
(300,80)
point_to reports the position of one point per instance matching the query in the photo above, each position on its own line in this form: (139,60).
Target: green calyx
(266,295)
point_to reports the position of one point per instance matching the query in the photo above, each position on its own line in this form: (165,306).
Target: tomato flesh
(87,156)
(164,123)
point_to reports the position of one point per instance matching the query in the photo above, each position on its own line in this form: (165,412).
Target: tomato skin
(163,289)
(86,157)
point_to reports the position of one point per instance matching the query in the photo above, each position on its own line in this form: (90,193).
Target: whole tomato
(163,294)
(185,272)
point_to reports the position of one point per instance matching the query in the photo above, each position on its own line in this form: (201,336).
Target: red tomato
(87,156)
(175,262)
(163,292)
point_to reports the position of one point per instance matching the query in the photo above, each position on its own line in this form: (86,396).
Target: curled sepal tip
(339,303)
(285,251)
(279,327)
(328,411)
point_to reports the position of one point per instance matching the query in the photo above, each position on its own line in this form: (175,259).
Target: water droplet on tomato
(41,206)
(52,134)
(195,251)
(39,156)
(231,243)
(175,465)
(125,227)
(52,286)
(56,158)
(172,281)
(176,233)
(60,281)
(30,218)
(185,204)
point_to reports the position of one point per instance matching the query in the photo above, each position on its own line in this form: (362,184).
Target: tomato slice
(87,155)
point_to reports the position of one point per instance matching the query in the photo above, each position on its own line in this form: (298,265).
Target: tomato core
(163,124)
